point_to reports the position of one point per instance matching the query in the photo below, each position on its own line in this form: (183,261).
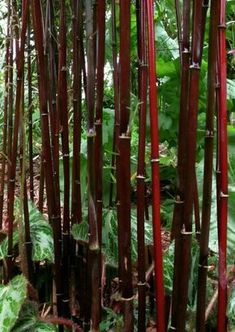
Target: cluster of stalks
(191,21)
(73,82)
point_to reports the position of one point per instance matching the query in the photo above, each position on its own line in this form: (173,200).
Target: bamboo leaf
(12,297)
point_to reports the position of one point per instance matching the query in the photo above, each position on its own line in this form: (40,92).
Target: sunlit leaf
(12,297)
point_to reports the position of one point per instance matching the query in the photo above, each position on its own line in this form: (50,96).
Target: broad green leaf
(29,320)
(4,244)
(12,297)
(41,236)
(213,239)
(80,231)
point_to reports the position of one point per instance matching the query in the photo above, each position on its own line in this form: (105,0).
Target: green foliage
(41,236)
(29,321)
(12,297)
(4,245)
(110,235)
(80,231)
(231,308)
(112,321)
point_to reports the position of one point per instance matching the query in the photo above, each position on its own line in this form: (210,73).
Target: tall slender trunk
(186,229)
(5,117)
(223,183)
(208,166)
(30,116)
(53,212)
(158,264)
(92,267)
(18,105)
(100,57)
(63,114)
(116,100)
(142,87)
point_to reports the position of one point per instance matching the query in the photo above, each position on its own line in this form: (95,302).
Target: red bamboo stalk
(116,100)
(76,213)
(92,215)
(5,117)
(142,78)
(63,113)
(30,117)
(10,101)
(186,230)
(123,172)
(181,164)
(18,106)
(54,214)
(100,58)
(223,183)
(159,286)
(208,167)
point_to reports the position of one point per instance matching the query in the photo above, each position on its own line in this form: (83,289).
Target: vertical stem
(208,166)
(76,215)
(30,116)
(123,174)
(186,229)
(5,117)
(18,105)
(223,185)
(63,113)
(92,215)
(100,44)
(159,286)
(142,78)
(53,212)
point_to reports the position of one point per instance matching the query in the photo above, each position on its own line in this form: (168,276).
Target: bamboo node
(127,299)
(142,283)
(124,136)
(195,65)
(185,51)
(217,86)
(63,69)
(223,195)
(44,114)
(91,133)
(155,160)
(183,232)
(65,301)
(204,266)
(12,180)
(98,122)
(9,256)
(179,201)
(140,177)
(209,134)
(65,233)
(66,155)
(172,328)
(198,232)
(222,26)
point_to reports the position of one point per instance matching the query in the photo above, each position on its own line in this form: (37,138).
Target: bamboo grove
(59,49)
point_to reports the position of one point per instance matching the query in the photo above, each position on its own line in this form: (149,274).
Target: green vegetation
(117,165)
